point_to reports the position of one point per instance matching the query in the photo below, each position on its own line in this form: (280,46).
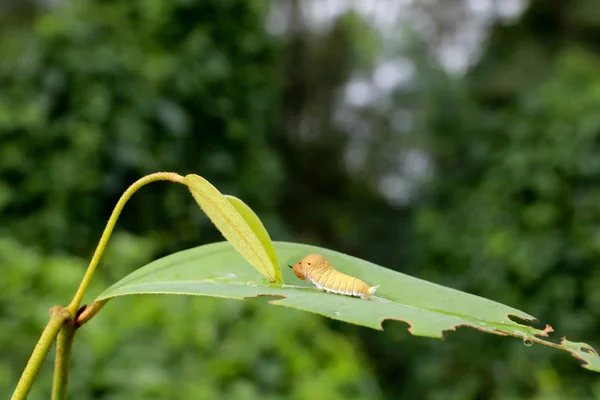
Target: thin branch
(58,316)
(159,176)
(62,363)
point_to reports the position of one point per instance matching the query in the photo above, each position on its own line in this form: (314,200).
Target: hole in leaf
(520,320)
(391,326)
(589,351)
(533,323)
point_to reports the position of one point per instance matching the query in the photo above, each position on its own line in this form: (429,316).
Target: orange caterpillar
(319,271)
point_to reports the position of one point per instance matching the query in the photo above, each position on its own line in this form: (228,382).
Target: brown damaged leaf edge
(522,321)
(584,347)
(494,331)
(533,338)
(539,332)
(590,352)
(498,332)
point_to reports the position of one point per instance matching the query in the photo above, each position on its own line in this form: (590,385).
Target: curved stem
(64,345)
(159,176)
(58,316)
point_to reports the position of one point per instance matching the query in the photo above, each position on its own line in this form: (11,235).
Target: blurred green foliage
(513,214)
(95,94)
(515,219)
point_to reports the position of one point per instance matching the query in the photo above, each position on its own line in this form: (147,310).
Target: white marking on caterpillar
(319,271)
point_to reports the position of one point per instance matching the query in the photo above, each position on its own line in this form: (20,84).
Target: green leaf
(259,230)
(584,352)
(234,226)
(218,270)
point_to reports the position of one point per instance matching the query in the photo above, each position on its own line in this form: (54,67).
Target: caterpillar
(319,271)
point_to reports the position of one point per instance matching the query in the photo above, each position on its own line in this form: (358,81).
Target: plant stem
(64,345)
(89,312)
(159,176)
(58,316)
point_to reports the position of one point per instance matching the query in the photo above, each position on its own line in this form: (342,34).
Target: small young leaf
(259,230)
(233,226)
(429,309)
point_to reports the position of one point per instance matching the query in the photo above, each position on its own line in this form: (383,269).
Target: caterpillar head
(302,267)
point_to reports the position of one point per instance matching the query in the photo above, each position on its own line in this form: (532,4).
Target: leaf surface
(234,227)
(429,309)
(259,230)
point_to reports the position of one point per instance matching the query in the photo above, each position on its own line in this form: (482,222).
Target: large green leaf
(218,270)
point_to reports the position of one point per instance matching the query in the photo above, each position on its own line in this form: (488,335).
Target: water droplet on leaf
(250,283)
(527,342)
(336,313)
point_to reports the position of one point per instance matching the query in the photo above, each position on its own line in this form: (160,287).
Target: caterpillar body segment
(319,271)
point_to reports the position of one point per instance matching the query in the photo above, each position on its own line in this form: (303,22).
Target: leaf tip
(583,352)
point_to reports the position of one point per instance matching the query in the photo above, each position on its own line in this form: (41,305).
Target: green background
(95,94)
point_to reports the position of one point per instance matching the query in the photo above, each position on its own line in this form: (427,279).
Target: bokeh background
(454,140)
